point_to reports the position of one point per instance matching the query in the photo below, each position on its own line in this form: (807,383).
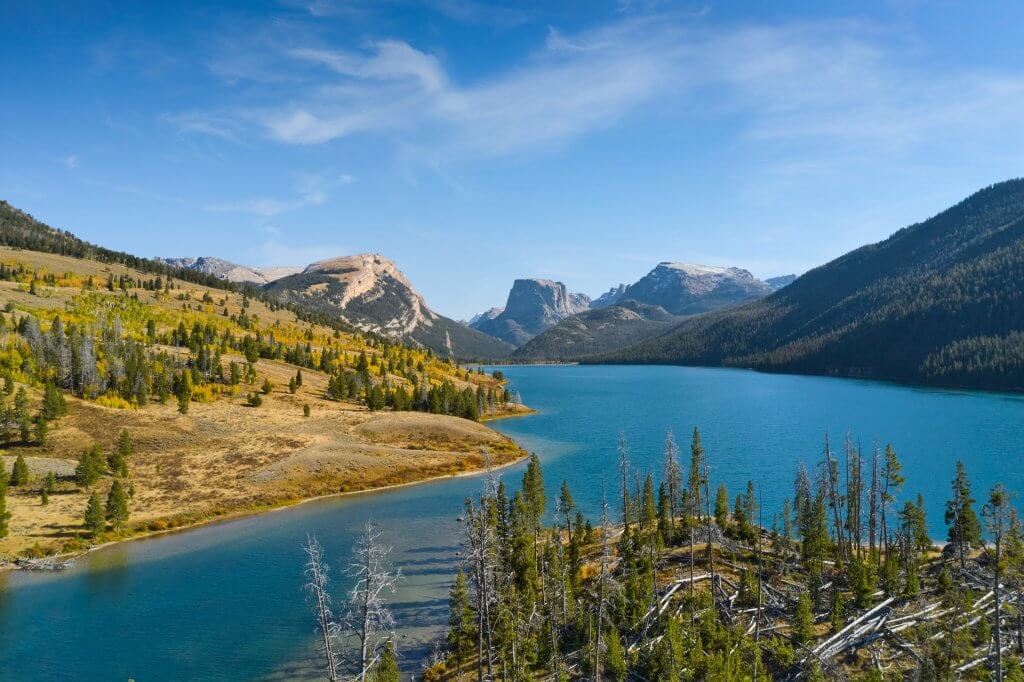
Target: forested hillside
(939,302)
(600,330)
(175,401)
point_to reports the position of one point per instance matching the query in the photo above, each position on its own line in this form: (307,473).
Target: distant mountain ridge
(232,272)
(542,308)
(777,283)
(939,302)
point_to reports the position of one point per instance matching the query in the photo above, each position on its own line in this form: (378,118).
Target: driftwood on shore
(45,564)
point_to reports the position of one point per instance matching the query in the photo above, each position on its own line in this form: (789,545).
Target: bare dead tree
(603,583)
(997,517)
(368,617)
(316,586)
(672,475)
(624,474)
(480,543)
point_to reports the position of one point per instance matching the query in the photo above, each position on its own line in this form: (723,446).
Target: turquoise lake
(225,602)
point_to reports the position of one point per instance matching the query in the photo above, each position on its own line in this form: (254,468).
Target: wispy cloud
(71,161)
(842,84)
(311,189)
(273,252)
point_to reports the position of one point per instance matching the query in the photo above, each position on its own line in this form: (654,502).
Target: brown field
(225,457)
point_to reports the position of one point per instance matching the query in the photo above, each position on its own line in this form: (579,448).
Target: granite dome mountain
(372,294)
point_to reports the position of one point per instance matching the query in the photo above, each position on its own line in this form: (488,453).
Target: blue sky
(478,142)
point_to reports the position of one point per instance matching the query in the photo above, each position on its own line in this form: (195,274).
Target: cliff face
(533,306)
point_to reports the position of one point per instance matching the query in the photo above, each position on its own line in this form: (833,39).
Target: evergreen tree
(461,630)
(387,667)
(696,480)
(19,473)
(40,431)
(95,519)
(615,656)
(803,619)
(90,467)
(54,405)
(117,505)
(964,526)
(4,514)
(722,507)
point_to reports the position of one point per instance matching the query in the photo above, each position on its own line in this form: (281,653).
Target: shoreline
(283,506)
(246,513)
(526,412)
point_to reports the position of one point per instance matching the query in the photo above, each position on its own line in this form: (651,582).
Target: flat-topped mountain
(533,306)
(232,272)
(372,294)
(938,302)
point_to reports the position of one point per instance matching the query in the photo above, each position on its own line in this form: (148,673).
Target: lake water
(225,602)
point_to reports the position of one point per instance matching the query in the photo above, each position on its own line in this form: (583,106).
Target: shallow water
(225,601)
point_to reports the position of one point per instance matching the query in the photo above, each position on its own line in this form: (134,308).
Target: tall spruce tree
(964,526)
(117,505)
(95,518)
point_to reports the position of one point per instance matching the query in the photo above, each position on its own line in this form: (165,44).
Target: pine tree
(803,619)
(461,631)
(44,496)
(54,405)
(615,656)
(118,459)
(90,466)
(19,473)
(117,505)
(4,514)
(964,526)
(40,431)
(722,507)
(95,519)
(696,476)
(387,667)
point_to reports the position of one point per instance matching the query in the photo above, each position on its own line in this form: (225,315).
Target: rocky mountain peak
(533,305)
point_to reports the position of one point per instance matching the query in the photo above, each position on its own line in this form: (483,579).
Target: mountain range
(938,302)
(232,272)
(546,322)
